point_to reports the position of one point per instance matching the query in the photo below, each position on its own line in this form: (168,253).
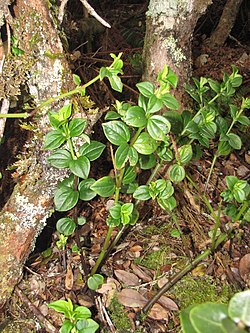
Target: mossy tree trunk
(25,213)
(169,31)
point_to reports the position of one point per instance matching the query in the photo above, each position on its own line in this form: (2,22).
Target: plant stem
(189,267)
(103,252)
(242,210)
(210,172)
(15,115)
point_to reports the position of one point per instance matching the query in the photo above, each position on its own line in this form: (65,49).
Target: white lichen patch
(30,213)
(170,43)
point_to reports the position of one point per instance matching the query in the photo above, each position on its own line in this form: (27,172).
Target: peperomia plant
(78,318)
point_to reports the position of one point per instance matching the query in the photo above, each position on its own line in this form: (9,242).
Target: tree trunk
(225,24)
(24,215)
(168,39)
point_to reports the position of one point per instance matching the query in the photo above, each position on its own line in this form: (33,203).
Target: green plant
(218,318)
(78,318)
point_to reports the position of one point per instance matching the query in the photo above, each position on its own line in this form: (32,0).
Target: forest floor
(152,251)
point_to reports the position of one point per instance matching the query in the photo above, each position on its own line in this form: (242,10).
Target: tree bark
(225,24)
(24,215)
(169,31)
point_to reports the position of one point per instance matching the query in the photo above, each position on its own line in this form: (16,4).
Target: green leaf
(80,167)
(176,173)
(104,186)
(154,104)
(65,198)
(142,193)
(168,190)
(186,324)
(65,226)
(207,317)
(244,120)
(81,220)
(133,156)
(65,112)
(62,306)
(167,204)
(92,150)
(158,127)
(91,327)
(136,117)
(112,115)
(76,79)
(233,110)
(111,222)
(67,327)
(147,161)
(175,120)
(86,193)
(234,141)
(81,312)
(230,327)
(129,176)
(116,132)
(60,158)
(145,144)
(127,208)
(122,155)
(54,139)
(104,72)
(246,216)
(231,181)
(146,88)
(224,148)
(168,76)
(115,211)
(185,154)
(170,102)
(76,127)
(95,281)
(116,83)
(215,86)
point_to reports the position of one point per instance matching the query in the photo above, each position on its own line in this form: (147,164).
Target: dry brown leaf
(109,285)
(141,273)
(136,248)
(129,279)
(69,278)
(168,303)
(157,312)
(244,268)
(85,300)
(162,281)
(131,298)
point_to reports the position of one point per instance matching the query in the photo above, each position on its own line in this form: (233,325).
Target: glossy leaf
(158,127)
(76,127)
(129,176)
(185,154)
(65,112)
(62,306)
(122,155)
(186,324)
(224,148)
(207,317)
(176,173)
(92,150)
(167,204)
(115,83)
(76,79)
(60,158)
(239,308)
(87,326)
(80,167)
(170,102)
(66,226)
(95,281)
(115,211)
(147,161)
(154,104)
(146,88)
(142,193)
(145,144)
(244,120)
(175,120)
(116,132)
(67,327)
(65,198)
(135,116)
(54,139)
(133,156)
(234,141)
(86,193)
(112,115)
(104,186)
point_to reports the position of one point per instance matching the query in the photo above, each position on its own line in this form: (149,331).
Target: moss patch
(192,290)
(119,316)
(155,259)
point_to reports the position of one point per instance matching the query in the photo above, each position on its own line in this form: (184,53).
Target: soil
(152,251)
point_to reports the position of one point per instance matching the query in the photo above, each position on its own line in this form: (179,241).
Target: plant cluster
(143,136)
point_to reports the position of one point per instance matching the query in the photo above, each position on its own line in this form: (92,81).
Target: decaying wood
(24,215)
(225,24)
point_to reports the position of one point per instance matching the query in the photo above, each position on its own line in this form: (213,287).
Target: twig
(48,326)
(61,10)
(104,315)
(92,12)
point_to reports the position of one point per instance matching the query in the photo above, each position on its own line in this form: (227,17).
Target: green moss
(155,259)
(192,290)
(119,316)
